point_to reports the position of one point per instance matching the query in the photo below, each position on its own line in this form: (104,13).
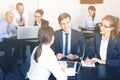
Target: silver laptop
(27,32)
(71,69)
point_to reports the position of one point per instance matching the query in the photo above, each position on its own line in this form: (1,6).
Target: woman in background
(89,23)
(91,19)
(43,59)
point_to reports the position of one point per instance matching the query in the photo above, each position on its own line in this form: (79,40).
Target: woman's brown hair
(93,9)
(45,35)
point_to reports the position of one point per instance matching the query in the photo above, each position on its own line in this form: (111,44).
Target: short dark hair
(39,11)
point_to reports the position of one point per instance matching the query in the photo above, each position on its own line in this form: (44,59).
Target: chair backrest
(97,28)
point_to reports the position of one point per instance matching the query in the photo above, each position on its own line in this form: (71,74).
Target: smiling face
(9,17)
(105,27)
(20,8)
(66,24)
(38,17)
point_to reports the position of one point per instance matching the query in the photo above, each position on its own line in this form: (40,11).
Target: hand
(72,56)
(88,61)
(60,56)
(63,65)
(99,61)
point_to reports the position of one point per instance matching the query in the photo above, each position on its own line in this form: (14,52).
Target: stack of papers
(70,72)
(86,65)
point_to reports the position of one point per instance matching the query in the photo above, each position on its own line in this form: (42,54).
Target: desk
(20,45)
(100,72)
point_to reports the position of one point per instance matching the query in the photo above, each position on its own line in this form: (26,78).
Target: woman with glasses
(106,46)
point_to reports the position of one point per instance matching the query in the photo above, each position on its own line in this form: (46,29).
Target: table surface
(101,72)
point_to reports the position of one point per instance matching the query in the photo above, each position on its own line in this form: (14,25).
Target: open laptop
(30,32)
(72,68)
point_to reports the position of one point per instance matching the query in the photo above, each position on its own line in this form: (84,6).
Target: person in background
(74,48)
(41,66)
(39,21)
(89,23)
(7,30)
(20,16)
(20,19)
(91,19)
(106,47)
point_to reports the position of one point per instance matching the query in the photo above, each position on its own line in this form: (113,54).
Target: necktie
(20,17)
(66,43)
(8,29)
(21,20)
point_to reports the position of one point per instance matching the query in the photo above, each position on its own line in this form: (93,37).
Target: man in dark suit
(75,41)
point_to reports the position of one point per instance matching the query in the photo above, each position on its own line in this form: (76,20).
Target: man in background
(7,30)
(20,15)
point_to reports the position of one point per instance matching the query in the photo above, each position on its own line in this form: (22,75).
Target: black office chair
(97,28)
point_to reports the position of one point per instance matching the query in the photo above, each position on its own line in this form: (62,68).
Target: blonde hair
(114,23)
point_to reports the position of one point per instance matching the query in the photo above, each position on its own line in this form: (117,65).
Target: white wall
(53,8)
(76,10)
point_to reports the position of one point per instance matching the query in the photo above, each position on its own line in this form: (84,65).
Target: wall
(53,8)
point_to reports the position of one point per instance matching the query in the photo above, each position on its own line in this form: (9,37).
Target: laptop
(30,32)
(72,68)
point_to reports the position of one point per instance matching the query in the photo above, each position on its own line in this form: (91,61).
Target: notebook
(30,32)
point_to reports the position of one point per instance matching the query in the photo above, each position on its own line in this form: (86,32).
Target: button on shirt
(3,29)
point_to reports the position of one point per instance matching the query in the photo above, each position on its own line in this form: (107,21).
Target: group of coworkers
(66,44)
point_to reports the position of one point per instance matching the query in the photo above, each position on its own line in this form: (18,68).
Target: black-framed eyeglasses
(100,24)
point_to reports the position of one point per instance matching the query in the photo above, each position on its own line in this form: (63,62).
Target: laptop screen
(30,32)
(71,69)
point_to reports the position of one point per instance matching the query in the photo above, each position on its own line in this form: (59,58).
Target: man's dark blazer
(77,42)
(43,23)
(113,50)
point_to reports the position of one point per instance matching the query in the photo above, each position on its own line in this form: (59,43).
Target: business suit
(113,50)
(43,23)
(77,42)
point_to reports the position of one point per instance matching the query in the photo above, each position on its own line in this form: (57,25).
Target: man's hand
(60,56)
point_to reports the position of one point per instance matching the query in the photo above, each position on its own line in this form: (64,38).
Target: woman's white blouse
(103,49)
(88,22)
(47,64)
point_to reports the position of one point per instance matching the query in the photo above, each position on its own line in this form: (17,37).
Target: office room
(52,9)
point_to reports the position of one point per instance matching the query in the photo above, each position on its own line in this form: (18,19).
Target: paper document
(70,72)
(86,65)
